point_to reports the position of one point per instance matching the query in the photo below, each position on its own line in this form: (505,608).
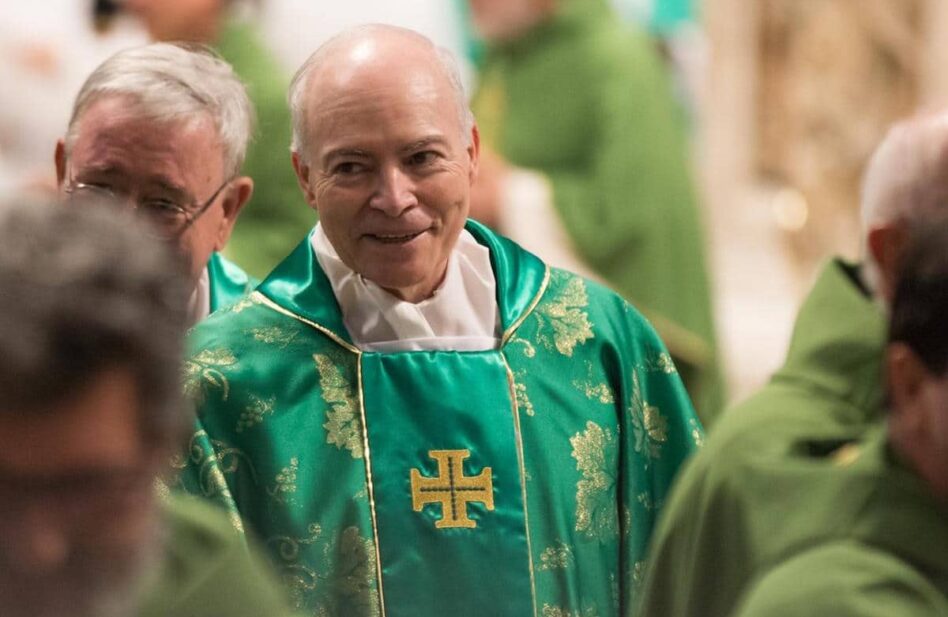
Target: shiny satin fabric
(419,402)
(311,444)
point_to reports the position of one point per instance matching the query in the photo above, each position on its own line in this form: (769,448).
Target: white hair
(906,178)
(171,81)
(299,87)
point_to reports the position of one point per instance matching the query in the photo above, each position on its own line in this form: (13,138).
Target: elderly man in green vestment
(417,415)
(590,169)
(92,322)
(165,128)
(276,219)
(829,388)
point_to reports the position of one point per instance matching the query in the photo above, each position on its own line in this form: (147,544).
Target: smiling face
(139,159)
(388,166)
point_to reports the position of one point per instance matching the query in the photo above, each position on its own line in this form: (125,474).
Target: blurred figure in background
(715,528)
(166,128)
(92,320)
(277,218)
(586,165)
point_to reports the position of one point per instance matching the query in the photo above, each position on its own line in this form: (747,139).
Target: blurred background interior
(783,101)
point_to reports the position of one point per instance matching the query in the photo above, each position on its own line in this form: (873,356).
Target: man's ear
(906,377)
(474,151)
(301,167)
(60,158)
(235,198)
(886,244)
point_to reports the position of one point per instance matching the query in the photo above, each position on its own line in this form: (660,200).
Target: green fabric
(587,102)
(601,423)
(860,538)
(228,283)
(277,216)
(829,388)
(207,570)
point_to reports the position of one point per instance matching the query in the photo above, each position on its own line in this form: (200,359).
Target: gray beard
(87,585)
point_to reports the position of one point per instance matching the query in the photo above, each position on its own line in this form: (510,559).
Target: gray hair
(906,178)
(171,81)
(299,87)
(82,290)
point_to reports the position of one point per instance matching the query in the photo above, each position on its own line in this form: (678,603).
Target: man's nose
(395,192)
(42,543)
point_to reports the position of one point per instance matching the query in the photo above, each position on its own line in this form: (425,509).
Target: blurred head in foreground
(917,357)
(92,316)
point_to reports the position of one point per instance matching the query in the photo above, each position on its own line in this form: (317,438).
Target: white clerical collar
(462,315)
(199,306)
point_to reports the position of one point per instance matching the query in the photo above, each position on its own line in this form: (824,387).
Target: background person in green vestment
(276,219)
(829,386)
(92,320)
(864,530)
(585,163)
(165,128)
(417,415)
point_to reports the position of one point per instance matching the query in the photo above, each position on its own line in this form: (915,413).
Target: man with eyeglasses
(164,128)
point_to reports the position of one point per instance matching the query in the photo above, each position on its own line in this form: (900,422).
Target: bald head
(378,54)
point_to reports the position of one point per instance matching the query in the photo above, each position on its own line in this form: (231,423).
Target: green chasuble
(840,531)
(830,387)
(277,216)
(587,102)
(228,283)
(207,570)
(522,481)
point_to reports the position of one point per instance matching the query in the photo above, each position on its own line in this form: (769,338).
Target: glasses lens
(166,218)
(85,195)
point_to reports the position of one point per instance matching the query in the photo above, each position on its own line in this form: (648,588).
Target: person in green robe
(91,345)
(164,129)
(276,219)
(582,125)
(829,390)
(858,527)
(416,415)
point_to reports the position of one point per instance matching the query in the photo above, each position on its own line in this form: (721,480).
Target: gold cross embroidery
(452,489)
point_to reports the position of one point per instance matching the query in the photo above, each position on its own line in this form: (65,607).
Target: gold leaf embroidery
(343,426)
(596,515)
(528,349)
(203,371)
(355,574)
(564,316)
(659,362)
(648,424)
(255,411)
(697,434)
(520,392)
(274,335)
(214,460)
(285,485)
(556,557)
(557,611)
(594,391)
(241,305)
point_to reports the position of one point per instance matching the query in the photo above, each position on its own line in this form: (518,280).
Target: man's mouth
(395,238)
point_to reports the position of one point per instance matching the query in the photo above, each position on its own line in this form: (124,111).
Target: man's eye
(161,208)
(420,159)
(349,168)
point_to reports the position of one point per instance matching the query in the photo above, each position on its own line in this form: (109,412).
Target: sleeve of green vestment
(638,164)
(842,580)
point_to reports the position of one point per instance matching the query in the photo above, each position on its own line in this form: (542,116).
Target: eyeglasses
(168,219)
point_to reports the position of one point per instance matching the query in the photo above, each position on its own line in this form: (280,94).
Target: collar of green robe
(838,339)
(227,282)
(301,287)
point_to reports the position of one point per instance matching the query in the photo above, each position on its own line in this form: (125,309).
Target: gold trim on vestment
(371,486)
(365,429)
(523,471)
(533,304)
(279,309)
